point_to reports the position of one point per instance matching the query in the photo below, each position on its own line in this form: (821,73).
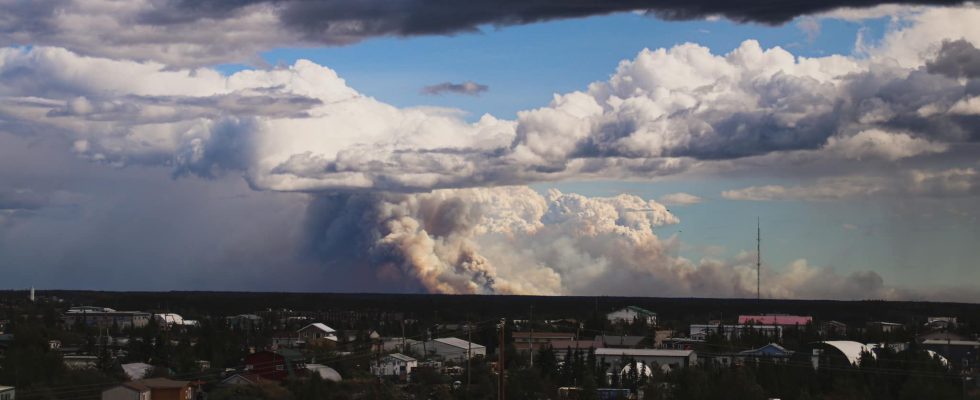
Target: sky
(583,148)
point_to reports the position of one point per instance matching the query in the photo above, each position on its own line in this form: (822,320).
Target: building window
(280,367)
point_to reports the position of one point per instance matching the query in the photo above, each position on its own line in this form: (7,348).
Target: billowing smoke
(509,240)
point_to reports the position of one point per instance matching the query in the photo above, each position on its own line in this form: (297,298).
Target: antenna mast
(758,259)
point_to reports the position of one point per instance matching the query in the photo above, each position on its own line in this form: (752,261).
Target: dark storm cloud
(197,33)
(957,59)
(467,88)
(425,17)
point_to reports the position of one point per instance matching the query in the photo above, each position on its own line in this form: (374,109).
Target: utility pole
(404,346)
(469,357)
(530,344)
(500,361)
(758,259)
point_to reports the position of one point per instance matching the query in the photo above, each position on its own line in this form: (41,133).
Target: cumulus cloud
(680,199)
(956,59)
(468,88)
(196,33)
(302,128)
(882,144)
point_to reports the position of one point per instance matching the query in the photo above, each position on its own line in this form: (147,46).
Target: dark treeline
(460,307)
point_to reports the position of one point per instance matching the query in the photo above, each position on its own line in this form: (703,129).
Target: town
(64,345)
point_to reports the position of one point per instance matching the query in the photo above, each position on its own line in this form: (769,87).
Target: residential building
(454,349)
(170,319)
(770,352)
(617,341)
(7,393)
(775,319)
(631,313)
(832,329)
(316,333)
(104,317)
(885,327)
(150,389)
(701,332)
(395,365)
(650,357)
(532,341)
(941,323)
(275,365)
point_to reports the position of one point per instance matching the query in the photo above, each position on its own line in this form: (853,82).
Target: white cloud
(680,199)
(914,182)
(824,189)
(882,144)
(302,128)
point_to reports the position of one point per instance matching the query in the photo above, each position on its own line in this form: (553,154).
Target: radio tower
(758,259)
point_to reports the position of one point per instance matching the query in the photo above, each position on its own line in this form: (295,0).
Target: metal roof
(325,372)
(952,342)
(457,342)
(641,310)
(643,352)
(852,350)
(775,319)
(402,357)
(618,340)
(763,350)
(319,326)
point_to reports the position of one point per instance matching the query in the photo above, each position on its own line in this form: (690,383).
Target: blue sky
(524,65)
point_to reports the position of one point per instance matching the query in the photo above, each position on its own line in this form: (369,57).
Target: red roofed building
(779,320)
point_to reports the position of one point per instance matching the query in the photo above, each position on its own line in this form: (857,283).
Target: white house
(6,393)
(631,313)
(660,357)
(455,349)
(396,364)
(171,319)
(316,332)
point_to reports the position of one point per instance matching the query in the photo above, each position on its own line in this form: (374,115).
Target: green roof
(641,310)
